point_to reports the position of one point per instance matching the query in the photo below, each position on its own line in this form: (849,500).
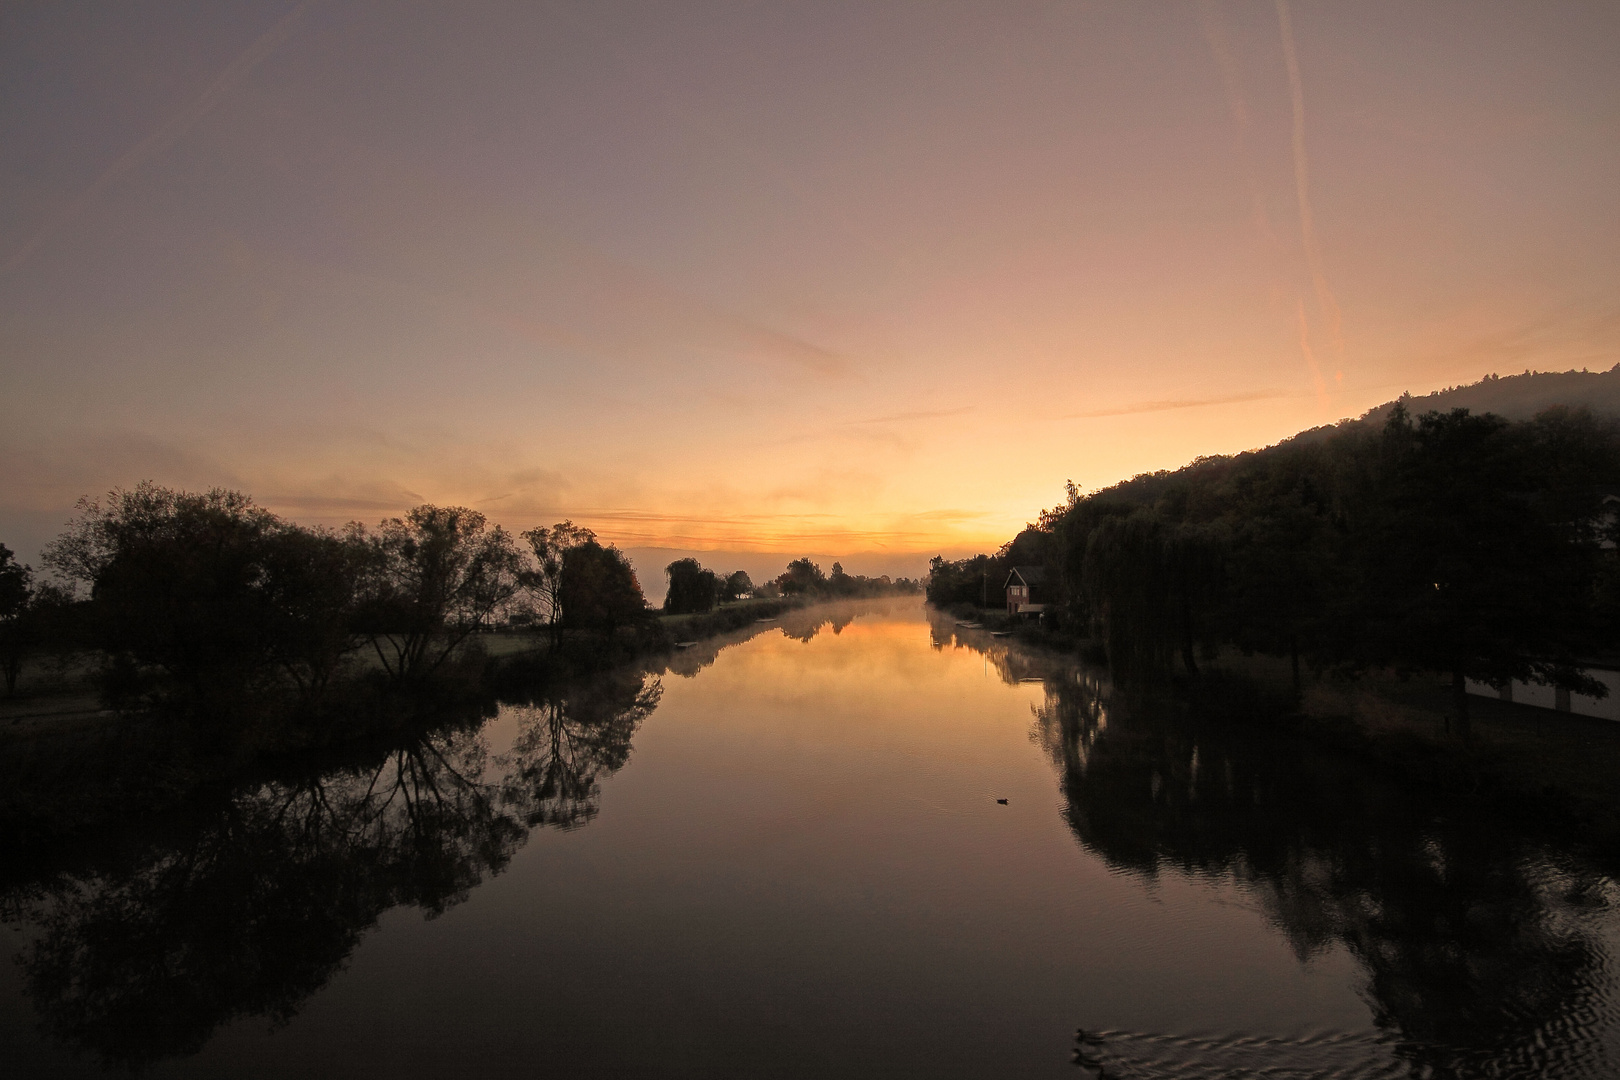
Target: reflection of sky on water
(792,862)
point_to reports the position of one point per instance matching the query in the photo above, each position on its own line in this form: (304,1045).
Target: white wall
(1546,697)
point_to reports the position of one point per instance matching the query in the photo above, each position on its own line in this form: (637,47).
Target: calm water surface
(785,856)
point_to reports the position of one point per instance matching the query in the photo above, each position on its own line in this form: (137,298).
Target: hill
(1520,397)
(1512,397)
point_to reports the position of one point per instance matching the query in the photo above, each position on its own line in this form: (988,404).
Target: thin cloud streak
(1185,403)
(776,533)
(167,135)
(897,418)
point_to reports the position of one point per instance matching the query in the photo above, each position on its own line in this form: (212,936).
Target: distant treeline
(692,588)
(210,600)
(1453,542)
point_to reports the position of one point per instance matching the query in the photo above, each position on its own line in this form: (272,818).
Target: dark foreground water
(787,858)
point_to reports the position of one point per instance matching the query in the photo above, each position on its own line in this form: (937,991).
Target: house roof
(1029,575)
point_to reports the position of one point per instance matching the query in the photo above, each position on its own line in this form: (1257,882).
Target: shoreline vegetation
(1341,586)
(210,611)
(1345,586)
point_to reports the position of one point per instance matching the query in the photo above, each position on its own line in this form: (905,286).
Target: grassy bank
(727,617)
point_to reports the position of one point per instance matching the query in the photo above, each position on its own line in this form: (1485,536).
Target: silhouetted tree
(737,585)
(544,579)
(801,576)
(980,580)
(312,578)
(177,582)
(1476,554)
(599,589)
(1150,583)
(691,588)
(432,579)
(1281,573)
(16,595)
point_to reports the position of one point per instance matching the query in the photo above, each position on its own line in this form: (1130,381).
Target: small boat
(764,620)
(971,625)
(685,644)
(1001,633)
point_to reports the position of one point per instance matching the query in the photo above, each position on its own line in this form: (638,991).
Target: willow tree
(1151,584)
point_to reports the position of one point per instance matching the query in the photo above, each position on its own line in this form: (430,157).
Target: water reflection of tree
(1466,922)
(565,743)
(804,625)
(251,905)
(1013,662)
(799,624)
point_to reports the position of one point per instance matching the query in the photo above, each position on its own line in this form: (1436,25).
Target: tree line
(1451,542)
(693,588)
(209,598)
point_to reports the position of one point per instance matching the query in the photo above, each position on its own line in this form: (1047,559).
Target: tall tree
(177,583)
(1152,585)
(737,585)
(16,596)
(433,578)
(801,576)
(691,587)
(599,589)
(1476,554)
(312,578)
(544,579)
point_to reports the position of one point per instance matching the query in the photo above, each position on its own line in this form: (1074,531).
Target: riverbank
(1528,761)
(73,771)
(65,690)
(1553,767)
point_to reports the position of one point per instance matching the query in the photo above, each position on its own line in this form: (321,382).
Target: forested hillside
(1469,543)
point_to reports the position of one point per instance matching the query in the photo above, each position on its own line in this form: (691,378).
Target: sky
(866,281)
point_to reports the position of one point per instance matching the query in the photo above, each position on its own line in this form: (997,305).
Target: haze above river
(785,856)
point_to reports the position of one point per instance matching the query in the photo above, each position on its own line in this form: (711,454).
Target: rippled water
(786,856)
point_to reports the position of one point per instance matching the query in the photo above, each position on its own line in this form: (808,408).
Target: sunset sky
(865,280)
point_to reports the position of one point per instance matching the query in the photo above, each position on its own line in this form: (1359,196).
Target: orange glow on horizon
(779,280)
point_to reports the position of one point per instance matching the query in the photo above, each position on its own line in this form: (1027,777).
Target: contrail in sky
(1310,357)
(1307,227)
(169,134)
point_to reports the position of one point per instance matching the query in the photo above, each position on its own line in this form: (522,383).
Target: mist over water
(782,854)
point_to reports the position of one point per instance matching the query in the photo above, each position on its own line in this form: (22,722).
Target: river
(860,841)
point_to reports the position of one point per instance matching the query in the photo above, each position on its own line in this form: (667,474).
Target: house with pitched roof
(1026,590)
